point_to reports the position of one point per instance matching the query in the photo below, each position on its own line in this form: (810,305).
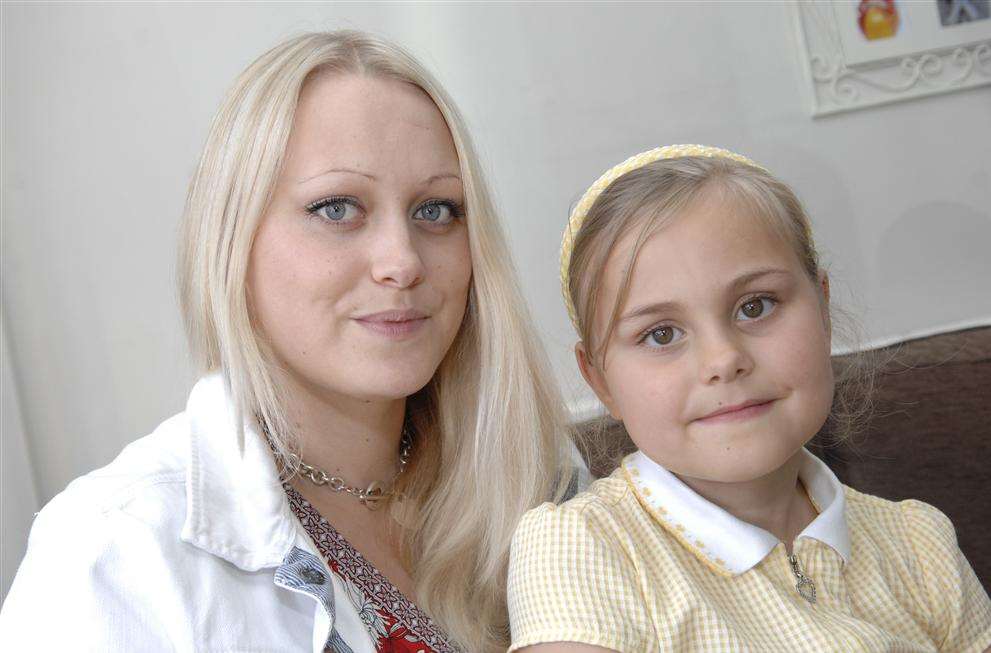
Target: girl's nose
(395,259)
(723,359)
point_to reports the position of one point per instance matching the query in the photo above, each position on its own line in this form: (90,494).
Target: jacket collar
(235,505)
(726,544)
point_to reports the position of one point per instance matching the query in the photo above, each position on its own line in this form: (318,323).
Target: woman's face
(719,364)
(360,268)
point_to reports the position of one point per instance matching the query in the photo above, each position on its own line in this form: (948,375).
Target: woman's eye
(437,212)
(663,336)
(755,308)
(337,209)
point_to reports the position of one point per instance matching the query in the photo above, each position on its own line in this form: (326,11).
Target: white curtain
(18,495)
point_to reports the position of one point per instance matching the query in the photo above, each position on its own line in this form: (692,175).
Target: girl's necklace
(372,496)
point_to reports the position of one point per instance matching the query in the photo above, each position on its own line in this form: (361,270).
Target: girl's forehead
(693,257)
(709,236)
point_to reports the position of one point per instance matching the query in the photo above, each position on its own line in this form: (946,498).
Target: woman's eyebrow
(426,182)
(332,170)
(443,175)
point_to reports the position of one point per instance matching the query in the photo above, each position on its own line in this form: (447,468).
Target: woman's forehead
(370,124)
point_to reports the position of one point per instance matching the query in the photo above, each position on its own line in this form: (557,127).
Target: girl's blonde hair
(490,429)
(645,199)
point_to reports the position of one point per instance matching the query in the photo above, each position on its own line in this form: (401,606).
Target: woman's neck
(355,439)
(777,502)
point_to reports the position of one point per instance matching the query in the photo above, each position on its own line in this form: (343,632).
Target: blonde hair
(490,436)
(645,199)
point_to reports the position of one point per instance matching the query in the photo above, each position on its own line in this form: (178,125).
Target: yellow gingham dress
(639,563)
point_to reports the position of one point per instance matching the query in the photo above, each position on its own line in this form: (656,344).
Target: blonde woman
(374,415)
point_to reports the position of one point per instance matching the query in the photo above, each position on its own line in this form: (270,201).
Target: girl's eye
(439,212)
(335,209)
(663,336)
(755,308)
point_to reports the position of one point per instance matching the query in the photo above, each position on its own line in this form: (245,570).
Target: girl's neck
(355,439)
(776,502)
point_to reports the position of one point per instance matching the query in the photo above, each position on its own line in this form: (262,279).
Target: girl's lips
(734,413)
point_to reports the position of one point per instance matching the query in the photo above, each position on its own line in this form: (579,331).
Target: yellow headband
(611,175)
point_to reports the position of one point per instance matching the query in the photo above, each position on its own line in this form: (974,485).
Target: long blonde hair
(490,425)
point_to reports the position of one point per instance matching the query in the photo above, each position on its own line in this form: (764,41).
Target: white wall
(106,107)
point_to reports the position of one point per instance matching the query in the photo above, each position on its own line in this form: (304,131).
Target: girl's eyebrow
(668,307)
(748,277)
(650,309)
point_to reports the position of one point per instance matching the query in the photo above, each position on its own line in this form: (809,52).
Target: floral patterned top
(394,623)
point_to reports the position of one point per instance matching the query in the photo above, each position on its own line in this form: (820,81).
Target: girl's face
(719,363)
(360,268)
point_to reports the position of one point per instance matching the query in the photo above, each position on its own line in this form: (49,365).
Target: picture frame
(927,55)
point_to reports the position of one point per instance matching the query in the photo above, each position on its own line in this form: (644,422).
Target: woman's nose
(723,358)
(395,259)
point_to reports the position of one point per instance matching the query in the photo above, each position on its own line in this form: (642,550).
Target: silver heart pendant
(806,588)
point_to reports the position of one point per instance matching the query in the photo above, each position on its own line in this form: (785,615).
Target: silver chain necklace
(372,496)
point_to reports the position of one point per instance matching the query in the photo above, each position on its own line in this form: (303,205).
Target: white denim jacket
(185,542)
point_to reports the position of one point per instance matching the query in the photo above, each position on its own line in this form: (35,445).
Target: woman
(375,414)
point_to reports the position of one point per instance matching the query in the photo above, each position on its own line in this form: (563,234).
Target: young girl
(692,279)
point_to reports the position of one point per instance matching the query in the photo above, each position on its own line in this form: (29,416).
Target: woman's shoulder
(111,546)
(142,489)
(148,466)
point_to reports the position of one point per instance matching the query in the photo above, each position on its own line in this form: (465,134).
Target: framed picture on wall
(862,53)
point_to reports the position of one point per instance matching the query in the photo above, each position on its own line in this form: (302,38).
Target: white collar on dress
(727,544)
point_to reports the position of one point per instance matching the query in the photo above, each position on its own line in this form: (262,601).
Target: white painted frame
(840,83)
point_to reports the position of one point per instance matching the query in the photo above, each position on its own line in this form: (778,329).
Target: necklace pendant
(372,495)
(806,589)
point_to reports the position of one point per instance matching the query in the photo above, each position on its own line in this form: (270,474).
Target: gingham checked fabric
(602,570)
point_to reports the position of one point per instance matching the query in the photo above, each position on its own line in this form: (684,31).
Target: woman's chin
(389,386)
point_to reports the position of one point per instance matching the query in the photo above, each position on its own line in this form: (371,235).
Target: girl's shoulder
(608,499)
(913,546)
(898,523)
(572,574)
(912,535)
(605,522)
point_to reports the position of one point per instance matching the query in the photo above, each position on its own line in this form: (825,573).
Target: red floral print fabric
(395,624)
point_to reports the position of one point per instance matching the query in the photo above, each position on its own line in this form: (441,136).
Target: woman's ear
(595,379)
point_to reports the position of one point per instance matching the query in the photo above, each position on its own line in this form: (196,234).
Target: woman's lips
(742,411)
(394,324)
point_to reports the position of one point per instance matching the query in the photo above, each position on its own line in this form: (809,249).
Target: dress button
(312,576)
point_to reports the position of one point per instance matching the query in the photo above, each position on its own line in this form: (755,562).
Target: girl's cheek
(807,358)
(649,397)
